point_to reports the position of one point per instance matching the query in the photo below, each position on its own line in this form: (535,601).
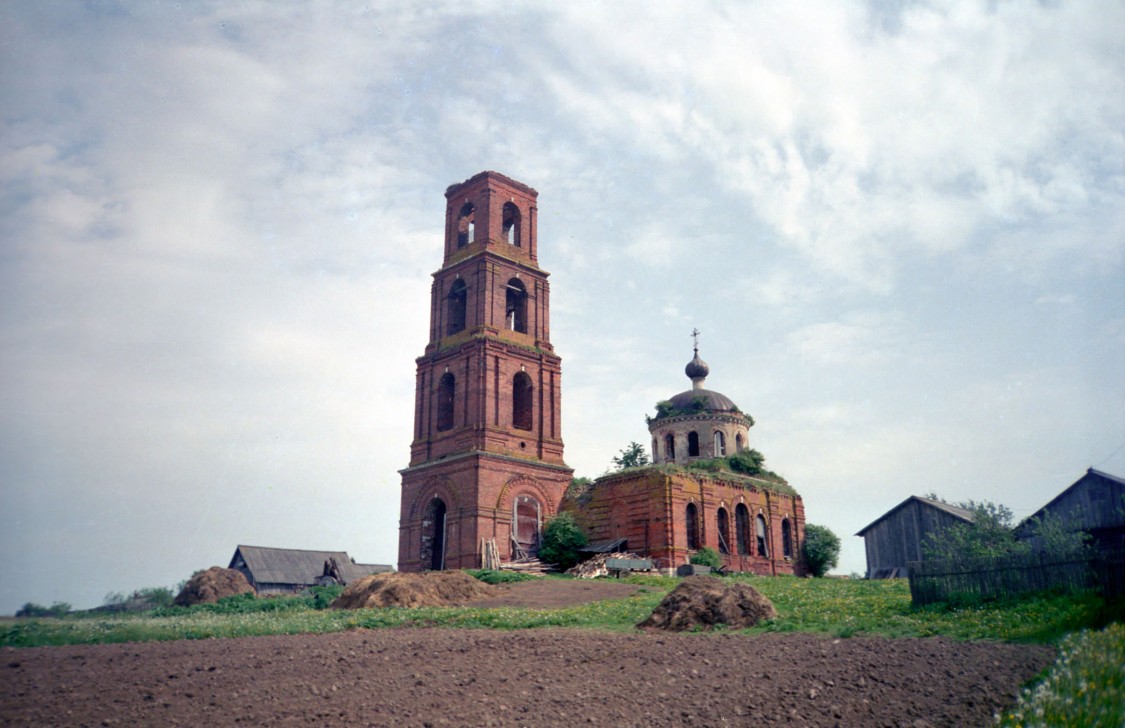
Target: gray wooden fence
(941,581)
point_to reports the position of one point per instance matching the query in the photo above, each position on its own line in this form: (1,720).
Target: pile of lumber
(526,565)
(595,567)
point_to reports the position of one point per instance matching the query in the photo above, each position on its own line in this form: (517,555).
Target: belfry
(486,461)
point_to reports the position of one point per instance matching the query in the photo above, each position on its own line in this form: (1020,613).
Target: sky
(899,228)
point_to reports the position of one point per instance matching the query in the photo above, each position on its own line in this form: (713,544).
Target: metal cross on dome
(695,340)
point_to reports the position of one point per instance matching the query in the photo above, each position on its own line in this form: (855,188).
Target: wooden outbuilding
(1095,503)
(286,571)
(895,538)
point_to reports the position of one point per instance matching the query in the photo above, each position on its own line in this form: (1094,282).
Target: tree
(747,462)
(707,556)
(561,540)
(633,456)
(991,536)
(822,549)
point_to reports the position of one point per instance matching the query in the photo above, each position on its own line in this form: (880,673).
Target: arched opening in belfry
(670,448)
(515,309)
(522,401)
(786,539)
(693,444)
(724,531)
(446,393)
(434,530)
(742,528)
(457,306)
(738,442)
(692,523)
(466,225)
(760,528)
(511,224)
(720,444)
(526,525)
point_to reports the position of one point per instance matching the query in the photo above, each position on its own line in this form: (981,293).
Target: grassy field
(839,607)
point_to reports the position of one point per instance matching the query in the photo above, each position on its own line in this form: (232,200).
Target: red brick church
(486,462)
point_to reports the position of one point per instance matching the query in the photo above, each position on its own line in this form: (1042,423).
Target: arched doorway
(433,536)
(525,526)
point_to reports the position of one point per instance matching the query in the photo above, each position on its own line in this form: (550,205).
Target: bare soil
(445,677)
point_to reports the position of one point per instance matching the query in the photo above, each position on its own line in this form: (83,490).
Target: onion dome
(697,370)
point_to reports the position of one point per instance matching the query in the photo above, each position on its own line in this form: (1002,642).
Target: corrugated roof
(297,566)
(956,511)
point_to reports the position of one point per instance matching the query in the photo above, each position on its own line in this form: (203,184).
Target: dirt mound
(212,585)
(431,589)
(701,602)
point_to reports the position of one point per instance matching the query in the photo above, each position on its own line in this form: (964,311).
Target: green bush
(707,556)
(31,609)
(492,576)
(562,538)
(321,596)
(822,549)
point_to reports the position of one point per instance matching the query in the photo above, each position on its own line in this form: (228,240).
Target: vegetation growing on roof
(665,409)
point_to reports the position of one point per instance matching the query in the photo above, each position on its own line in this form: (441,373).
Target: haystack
(212,585)
(430,589)
(701,602)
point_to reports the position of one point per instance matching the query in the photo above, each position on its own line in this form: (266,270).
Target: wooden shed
(1095,503)
(284,571)
(895,538)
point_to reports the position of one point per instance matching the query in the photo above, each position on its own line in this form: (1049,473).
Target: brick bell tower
(486,462)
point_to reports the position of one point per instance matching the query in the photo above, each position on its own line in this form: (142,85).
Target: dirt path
(432,677)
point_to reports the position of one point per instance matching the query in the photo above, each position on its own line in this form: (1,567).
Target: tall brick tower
(486,462)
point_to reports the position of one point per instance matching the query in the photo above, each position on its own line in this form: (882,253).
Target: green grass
(1085,686)
(838,607)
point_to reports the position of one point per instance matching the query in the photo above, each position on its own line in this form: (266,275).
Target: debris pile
(208,587)
(595,567)
(429,589)
(527,565)
(701,602)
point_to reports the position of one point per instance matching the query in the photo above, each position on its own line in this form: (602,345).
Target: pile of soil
(474,677)
(430,589)
(208,587)
(701,602)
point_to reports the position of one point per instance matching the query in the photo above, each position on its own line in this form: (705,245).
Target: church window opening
(738,442)
(670,447)
(786,539)
(742,528)
(458,299)
(760,525)
(692,526)
(526,523)
(466,225)
(445,394)
(515,310)
(720,444)
(511,224)
(693,444)
(522,392)
(724,531)
(433,535)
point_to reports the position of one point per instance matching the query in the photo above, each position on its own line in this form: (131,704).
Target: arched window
(670,448)
(786,539)
(760,527)
(693,444)
(738,442)
(724,531)
(511,224)
(720,444)
(522,392)
(457,300)
(692,526)
(742,528)
(445,393)
(515,310)
(526,524)
(466,225)
(433,536)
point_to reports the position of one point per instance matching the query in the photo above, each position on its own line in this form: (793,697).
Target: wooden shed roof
(963,514)
(1026,523)
(298,566)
